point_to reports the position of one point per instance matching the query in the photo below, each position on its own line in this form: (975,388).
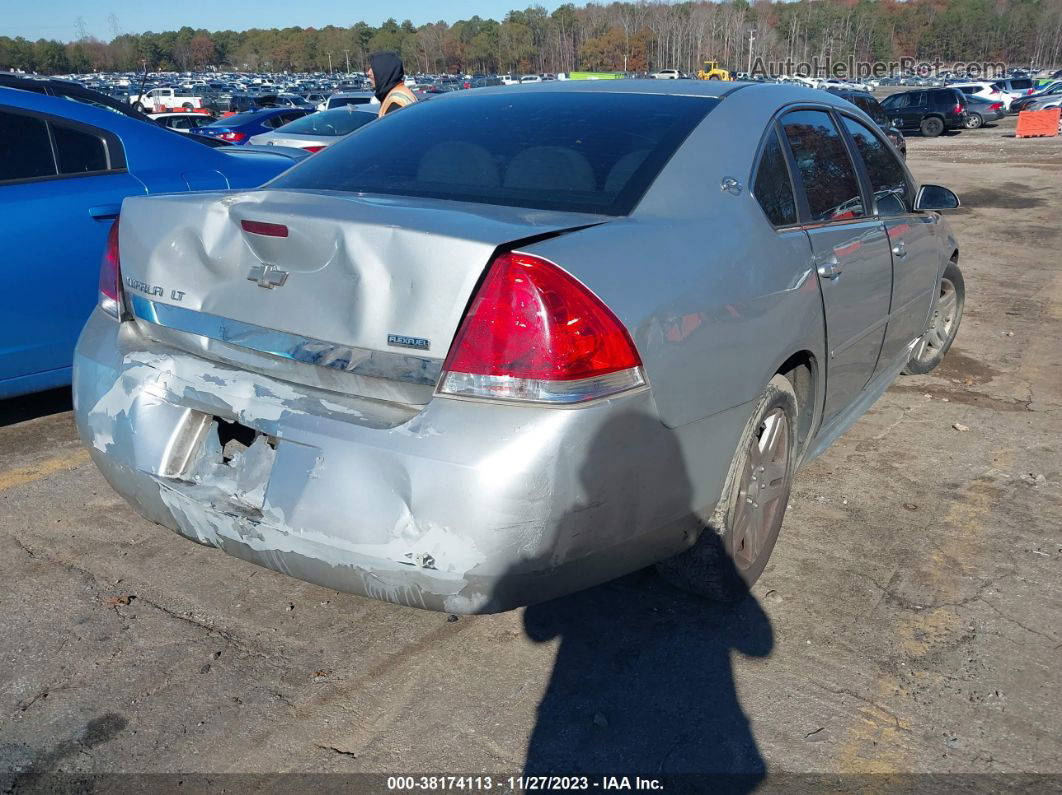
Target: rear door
(915,110)
(61,185)
(850,250)
(895,106)
(912,236)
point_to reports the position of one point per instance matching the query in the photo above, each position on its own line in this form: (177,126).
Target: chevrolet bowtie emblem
(268,276)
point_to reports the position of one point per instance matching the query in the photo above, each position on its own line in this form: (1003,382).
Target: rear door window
(593,152)
(872,109)
(79,152)
(825,169)
(1021,84)
(888,179)
(25,149)
(772,187)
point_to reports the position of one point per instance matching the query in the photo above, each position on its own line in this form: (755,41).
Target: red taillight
(111,275)
(996,106)
(313,148)
(263,228)
(234,137)
(535,333)
(958,108)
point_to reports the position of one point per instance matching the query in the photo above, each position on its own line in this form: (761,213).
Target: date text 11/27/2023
(400,784)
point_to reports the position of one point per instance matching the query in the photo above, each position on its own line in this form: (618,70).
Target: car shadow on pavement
(643,682)
(30,407)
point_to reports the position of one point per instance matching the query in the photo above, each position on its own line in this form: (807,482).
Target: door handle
(105,212)
(830,268)
(899,250)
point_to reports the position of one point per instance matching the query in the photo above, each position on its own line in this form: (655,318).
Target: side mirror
(935,197)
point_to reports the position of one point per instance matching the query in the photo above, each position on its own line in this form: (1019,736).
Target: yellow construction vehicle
(712,71)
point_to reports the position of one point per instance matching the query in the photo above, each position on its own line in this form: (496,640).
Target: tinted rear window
(236,119)
(25,150)
(575,151)
(871,107)
(79,152)
(329,122)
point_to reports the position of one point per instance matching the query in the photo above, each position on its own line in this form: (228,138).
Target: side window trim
(51,146)
(861,166)
(800,189)
(112,146)
(773,128)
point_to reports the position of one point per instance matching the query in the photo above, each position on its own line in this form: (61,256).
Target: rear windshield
(235,119)
(577,151)
(328,122)
(338,102)
(871,107)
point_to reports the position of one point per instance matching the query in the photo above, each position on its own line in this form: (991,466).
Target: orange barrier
(1038,123)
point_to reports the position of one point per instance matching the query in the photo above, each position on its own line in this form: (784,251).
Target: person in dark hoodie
(388,81)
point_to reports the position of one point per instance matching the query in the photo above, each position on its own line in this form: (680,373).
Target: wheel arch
(803,372)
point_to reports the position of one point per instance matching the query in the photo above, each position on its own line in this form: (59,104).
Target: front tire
(932,127)
(973,121)
(733,548)
(943,323)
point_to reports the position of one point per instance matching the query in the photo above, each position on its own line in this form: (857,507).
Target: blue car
(238,128)
(65,168)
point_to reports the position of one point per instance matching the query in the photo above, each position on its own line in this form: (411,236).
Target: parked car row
(65,169)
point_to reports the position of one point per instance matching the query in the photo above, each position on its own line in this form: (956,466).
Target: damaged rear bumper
(463,507)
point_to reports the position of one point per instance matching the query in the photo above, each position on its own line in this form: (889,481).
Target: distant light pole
(752,38)
(347,52)
(329,62)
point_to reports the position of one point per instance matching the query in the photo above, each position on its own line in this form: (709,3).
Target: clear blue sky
(55,19)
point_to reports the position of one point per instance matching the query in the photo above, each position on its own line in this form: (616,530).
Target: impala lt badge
(268,276)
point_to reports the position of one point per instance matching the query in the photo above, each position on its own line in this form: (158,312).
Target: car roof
(77,111)
(699,88)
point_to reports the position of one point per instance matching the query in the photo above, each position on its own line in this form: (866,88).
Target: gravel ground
(910,621)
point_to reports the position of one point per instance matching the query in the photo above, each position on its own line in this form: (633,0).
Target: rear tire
(932,127)
(943,323)
(733,548)
(973,121)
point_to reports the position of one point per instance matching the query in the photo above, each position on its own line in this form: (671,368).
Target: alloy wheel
(942,326)
(763,489)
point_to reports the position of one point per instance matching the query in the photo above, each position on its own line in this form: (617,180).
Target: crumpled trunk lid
(351,293)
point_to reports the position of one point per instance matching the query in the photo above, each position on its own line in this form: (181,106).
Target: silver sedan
(317,131)
(515,342)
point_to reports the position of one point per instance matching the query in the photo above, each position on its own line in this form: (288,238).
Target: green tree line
(618,36)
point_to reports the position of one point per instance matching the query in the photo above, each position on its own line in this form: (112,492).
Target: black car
(240,103)
(931,111)
(870,106)
(70,90)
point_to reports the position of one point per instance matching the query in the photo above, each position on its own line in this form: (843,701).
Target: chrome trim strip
(360,361)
